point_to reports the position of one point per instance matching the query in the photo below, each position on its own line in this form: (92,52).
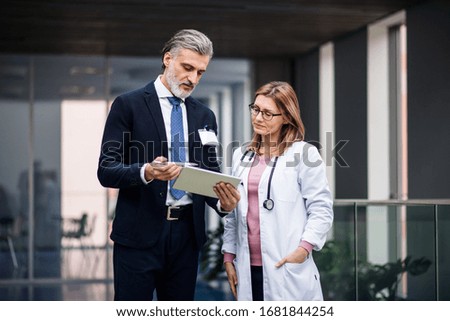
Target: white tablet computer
(201,181)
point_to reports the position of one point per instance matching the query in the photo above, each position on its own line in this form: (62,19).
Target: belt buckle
(170,218)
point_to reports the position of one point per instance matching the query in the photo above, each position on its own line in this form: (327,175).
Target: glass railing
(377,250)
(387,250)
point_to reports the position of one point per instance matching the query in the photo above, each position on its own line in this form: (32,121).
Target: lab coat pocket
(301,281)
(297,268)
(295,265)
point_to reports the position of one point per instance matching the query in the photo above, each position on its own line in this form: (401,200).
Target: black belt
(175,213)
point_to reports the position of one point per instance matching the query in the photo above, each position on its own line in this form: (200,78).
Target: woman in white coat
(286,207)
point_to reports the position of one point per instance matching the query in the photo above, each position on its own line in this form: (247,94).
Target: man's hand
(162,170)
(228,195)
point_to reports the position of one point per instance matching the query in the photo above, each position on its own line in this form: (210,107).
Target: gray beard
(175,85)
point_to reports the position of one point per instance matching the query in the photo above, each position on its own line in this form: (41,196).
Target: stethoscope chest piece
(268,204)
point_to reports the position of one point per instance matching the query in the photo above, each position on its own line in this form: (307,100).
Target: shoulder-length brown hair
(286,100)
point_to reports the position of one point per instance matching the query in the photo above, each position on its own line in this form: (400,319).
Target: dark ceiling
(238,28)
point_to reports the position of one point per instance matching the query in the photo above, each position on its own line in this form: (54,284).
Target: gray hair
(188,39)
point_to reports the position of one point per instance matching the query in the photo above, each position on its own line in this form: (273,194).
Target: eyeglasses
(266,115)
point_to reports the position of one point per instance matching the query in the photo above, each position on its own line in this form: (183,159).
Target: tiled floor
(78,275)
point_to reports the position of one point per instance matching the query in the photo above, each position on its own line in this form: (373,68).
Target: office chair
(78,230)
(9,230)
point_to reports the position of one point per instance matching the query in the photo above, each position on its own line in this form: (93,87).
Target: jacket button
(161,194)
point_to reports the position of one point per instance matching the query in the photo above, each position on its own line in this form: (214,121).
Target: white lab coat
(303,210)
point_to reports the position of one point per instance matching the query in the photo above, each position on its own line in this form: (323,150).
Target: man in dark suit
(157,230)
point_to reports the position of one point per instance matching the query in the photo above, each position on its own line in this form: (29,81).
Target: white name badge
(208,137)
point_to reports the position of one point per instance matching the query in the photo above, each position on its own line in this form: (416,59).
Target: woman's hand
(228,196)
(232,277)
(298,256)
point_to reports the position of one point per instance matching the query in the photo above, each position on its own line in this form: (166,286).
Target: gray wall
(429,140)
(429,101)
(307,89)
(350,54)
(266,70)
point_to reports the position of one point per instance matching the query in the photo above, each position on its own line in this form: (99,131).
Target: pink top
(254,237)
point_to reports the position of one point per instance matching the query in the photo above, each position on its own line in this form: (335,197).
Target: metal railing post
(355,213)
(436,251)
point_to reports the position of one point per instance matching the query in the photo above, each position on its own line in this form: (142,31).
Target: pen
(182,164)
(185,164)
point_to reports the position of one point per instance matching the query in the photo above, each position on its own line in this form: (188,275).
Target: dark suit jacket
(134,135)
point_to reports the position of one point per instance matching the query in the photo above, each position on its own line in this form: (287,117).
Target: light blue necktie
(178,153)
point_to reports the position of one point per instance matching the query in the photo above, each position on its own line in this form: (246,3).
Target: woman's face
(268,129)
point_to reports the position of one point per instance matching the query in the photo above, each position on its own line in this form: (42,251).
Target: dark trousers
(169,267)
(257,283)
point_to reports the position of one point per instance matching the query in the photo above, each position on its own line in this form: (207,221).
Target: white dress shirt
(166,109)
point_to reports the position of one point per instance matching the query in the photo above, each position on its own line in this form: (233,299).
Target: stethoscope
(268,204)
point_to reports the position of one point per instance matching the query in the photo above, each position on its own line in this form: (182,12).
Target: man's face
(183,71)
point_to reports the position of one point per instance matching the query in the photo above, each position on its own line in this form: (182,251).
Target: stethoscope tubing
(268,204)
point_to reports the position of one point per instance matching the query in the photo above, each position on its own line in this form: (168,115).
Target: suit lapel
(152,101)
(190,111)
